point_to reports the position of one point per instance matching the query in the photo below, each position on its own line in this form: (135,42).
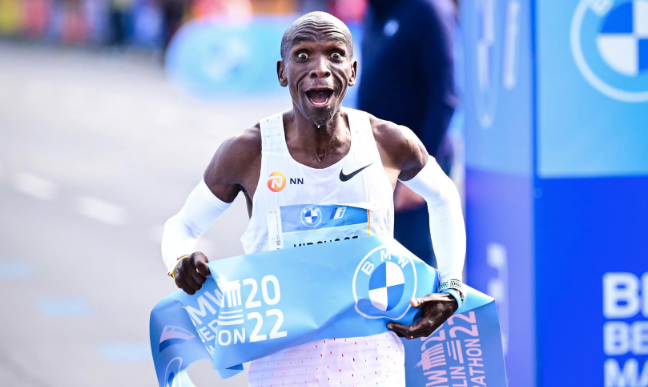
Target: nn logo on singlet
(277,181)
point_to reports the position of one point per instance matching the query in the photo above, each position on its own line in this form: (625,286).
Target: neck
(320,141)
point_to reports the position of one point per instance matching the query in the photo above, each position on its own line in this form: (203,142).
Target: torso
(250,177)
(356,178)
(294,203)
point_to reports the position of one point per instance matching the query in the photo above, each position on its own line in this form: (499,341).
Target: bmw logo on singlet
(383,284)
(311,216)
(609,41)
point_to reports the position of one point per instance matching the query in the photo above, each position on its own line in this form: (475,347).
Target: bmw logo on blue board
(216,57)
(609,41)
(383,284)
(311,216)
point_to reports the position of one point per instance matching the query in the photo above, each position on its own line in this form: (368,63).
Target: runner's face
(318,68)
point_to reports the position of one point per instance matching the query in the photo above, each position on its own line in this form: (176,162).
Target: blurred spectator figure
(407,77)
(74,26)
(306,6)
(275,7)
(348,10)
(37,13)
(232,9)
(11,16)
(118,13)
(97,24)
(173,15)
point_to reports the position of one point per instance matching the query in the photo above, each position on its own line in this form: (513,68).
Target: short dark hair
(318,16)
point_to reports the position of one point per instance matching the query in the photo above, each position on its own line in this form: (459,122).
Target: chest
(290,179)
(284,181)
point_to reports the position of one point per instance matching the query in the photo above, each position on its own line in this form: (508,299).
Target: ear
(281,73)
(354,73)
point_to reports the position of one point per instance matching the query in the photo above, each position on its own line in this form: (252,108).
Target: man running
(331,155)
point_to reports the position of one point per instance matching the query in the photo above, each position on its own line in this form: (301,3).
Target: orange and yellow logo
(277,181)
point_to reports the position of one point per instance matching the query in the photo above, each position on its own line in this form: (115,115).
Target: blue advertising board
(499,169)
(592,71)
(556,185)
(592,182)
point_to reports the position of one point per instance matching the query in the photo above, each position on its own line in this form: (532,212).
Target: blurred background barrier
(216,57)
(100,143)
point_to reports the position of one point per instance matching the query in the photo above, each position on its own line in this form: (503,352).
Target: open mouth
(319,97)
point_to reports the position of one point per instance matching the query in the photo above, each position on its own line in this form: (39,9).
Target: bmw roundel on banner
(386,286)
(609,41)
(384,283)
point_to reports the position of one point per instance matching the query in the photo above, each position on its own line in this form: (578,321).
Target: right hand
(192,272)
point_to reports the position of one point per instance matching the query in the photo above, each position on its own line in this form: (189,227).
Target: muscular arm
(404,154)
(230,171)
(235,166)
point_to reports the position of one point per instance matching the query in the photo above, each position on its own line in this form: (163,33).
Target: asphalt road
(96,152)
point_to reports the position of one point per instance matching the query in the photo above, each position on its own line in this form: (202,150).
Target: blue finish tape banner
(258,304)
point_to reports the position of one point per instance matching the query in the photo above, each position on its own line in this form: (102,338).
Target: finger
(182,284)
(200,261)
(400,330)
(418,302)
(198,278)
(187,272)
(421,328)
(187,276)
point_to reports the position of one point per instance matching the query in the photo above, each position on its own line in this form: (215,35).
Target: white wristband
(455,288)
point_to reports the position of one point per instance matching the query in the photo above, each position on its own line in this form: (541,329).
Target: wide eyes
(335,55)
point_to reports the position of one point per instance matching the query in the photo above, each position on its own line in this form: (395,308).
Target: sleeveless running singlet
(296,205)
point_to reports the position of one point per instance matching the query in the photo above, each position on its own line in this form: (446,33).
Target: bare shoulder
(235,164)
(399,146)
(244,147)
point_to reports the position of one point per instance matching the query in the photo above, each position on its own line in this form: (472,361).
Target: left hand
(437,308)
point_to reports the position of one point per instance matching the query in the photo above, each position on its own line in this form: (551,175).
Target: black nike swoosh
(344,177)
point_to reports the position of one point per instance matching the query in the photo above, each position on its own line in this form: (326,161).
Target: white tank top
(294,205)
